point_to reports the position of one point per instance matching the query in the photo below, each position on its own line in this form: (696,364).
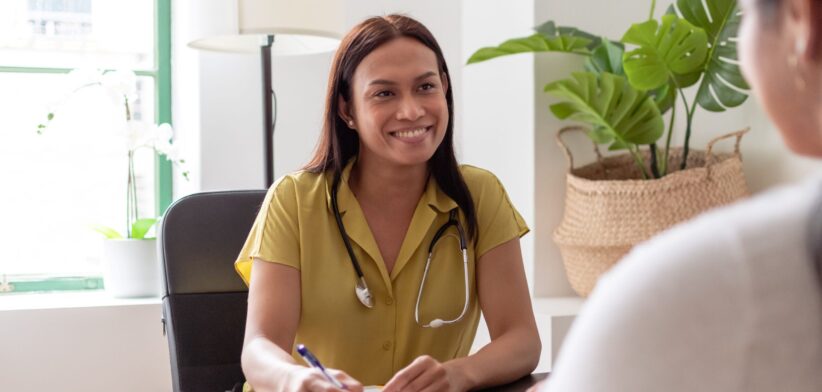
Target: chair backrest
(205,301)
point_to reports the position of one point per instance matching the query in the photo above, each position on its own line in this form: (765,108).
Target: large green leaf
(723,78)
(140,228)
(550,30)
(533,43)
(664,97)
(676,47)
(606,57)
(618,113)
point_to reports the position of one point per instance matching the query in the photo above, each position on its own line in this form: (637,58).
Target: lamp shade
(298,27)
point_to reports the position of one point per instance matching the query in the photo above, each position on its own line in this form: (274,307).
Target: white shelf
(67,300)
(558,306)
(554,317)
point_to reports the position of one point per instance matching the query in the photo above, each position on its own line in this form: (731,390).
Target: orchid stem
(129,197)
(133,182)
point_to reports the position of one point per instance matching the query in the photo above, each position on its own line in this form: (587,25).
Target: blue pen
(312,361)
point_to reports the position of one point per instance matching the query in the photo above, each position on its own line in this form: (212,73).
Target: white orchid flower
(164,144)
(173,153)
(121,85)
(140,134)
(164,133)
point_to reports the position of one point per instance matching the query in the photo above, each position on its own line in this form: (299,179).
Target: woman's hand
(304,379)
(428,374)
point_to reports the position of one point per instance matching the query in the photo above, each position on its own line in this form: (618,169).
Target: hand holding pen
(311,360)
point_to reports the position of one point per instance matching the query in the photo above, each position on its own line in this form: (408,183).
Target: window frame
(163,181)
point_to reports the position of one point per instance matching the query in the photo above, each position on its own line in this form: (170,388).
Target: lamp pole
(268,116)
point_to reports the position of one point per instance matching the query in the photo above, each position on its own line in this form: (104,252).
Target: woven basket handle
(709,154)
(567,151)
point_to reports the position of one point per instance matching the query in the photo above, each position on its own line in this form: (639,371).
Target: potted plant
(131,268)
(623,95)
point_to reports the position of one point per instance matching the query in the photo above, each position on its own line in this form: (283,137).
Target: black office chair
(204,303)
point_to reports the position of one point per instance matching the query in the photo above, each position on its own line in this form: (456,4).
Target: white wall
(498,118)
(110,347)
(217,108)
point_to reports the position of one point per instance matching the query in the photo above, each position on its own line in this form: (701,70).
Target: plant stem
(689,112)
(133,183)
(129,197)
(653,6)
(668,138)
(638,159)
(131,190)
(686,147)
(654,161)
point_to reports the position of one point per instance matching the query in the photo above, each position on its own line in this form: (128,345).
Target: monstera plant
(628,86)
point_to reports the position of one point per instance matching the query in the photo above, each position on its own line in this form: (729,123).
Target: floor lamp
(279,28)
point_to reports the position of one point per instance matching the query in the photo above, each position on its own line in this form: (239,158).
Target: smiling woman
(381,253)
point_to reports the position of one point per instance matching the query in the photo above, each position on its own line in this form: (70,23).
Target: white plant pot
(131,268)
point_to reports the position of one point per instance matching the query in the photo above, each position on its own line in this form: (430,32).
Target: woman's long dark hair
(338,143)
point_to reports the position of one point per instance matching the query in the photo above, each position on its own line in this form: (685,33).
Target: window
(56,185)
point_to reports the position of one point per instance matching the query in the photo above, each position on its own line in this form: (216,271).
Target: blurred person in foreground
(730,301)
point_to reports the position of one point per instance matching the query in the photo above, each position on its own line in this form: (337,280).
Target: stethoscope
(361,289)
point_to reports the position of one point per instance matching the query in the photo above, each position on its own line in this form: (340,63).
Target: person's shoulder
(695,289)
(299,184)
(711,253)
(476,174)
(784,204)
(479,180)
(301,179)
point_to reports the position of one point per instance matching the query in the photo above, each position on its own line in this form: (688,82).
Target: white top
(730,301)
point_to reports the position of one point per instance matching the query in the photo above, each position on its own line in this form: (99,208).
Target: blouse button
(389,301)
(387,345)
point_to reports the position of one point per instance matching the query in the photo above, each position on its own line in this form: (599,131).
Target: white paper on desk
(372,388)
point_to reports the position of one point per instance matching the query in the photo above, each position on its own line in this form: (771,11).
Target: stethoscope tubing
(439,322)
(343,233)
(362,291)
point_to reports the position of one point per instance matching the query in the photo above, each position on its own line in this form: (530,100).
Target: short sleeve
(497,219)
(274,237)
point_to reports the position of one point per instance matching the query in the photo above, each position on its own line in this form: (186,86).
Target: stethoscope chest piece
(363,294)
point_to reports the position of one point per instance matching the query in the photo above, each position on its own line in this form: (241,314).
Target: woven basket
(609,208)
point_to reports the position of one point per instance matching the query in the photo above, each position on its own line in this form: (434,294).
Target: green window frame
(163,185)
